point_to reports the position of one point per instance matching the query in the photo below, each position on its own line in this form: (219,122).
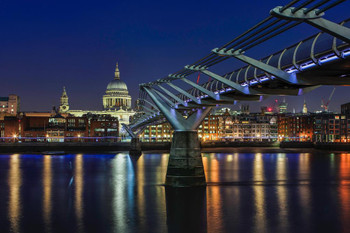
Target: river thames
(246,192)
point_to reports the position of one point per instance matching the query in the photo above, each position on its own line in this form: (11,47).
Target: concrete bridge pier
(135,147)
(135,144)
(185,167)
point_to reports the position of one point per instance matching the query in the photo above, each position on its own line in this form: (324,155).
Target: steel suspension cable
(271,30)
(315,6)
(212,56)
(272,35)
(256,33)
(329,6)
(248,31)
(215,61)
(288,5)
(203,58)
(302,5)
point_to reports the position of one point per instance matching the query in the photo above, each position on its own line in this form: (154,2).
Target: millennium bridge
(322,59)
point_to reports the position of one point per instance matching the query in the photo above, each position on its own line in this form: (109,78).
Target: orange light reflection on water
(344,189)
(79,187)
(259,191)
(15,182)
(47,186)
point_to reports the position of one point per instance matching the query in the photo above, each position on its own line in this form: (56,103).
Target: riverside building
(234,126)
(9,105)
(295,127)
(332,127)
(57,128)
(223,125)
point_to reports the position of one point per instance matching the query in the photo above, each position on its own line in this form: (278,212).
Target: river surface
(246,192)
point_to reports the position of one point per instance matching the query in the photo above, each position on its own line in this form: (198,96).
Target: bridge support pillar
(135,147)
(185,167)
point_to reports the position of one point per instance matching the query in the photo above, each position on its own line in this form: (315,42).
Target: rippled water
(258,192)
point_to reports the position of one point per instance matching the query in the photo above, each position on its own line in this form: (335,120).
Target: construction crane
(324,104)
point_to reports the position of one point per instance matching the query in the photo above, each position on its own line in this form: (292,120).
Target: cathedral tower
(64,105)
(304,107)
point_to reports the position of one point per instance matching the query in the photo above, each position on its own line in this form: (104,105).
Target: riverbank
(109,147)
(39,147)
(74,147)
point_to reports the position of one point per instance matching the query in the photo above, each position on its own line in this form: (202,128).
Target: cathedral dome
(117,95)
(117,85)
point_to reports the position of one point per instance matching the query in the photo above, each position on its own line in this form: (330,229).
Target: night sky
(46,45)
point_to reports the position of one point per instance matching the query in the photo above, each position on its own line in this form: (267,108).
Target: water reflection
(120,198)
(140,173)
(304,181)
(186,209)
(344,190)
(15,182)
(257,192)
(47,186)
(214,205)
(281,190)
(79,187)
(211,161)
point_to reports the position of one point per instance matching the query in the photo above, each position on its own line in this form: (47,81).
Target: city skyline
(80,54)
(175,116)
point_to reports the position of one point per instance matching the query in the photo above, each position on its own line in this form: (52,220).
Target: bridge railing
(313,51)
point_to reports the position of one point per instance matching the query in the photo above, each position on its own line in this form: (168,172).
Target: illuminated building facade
(282,107)
(223,125)
(157,133)
(240,127)
(332,127)
(9,105)
(56,128)
(295,127)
